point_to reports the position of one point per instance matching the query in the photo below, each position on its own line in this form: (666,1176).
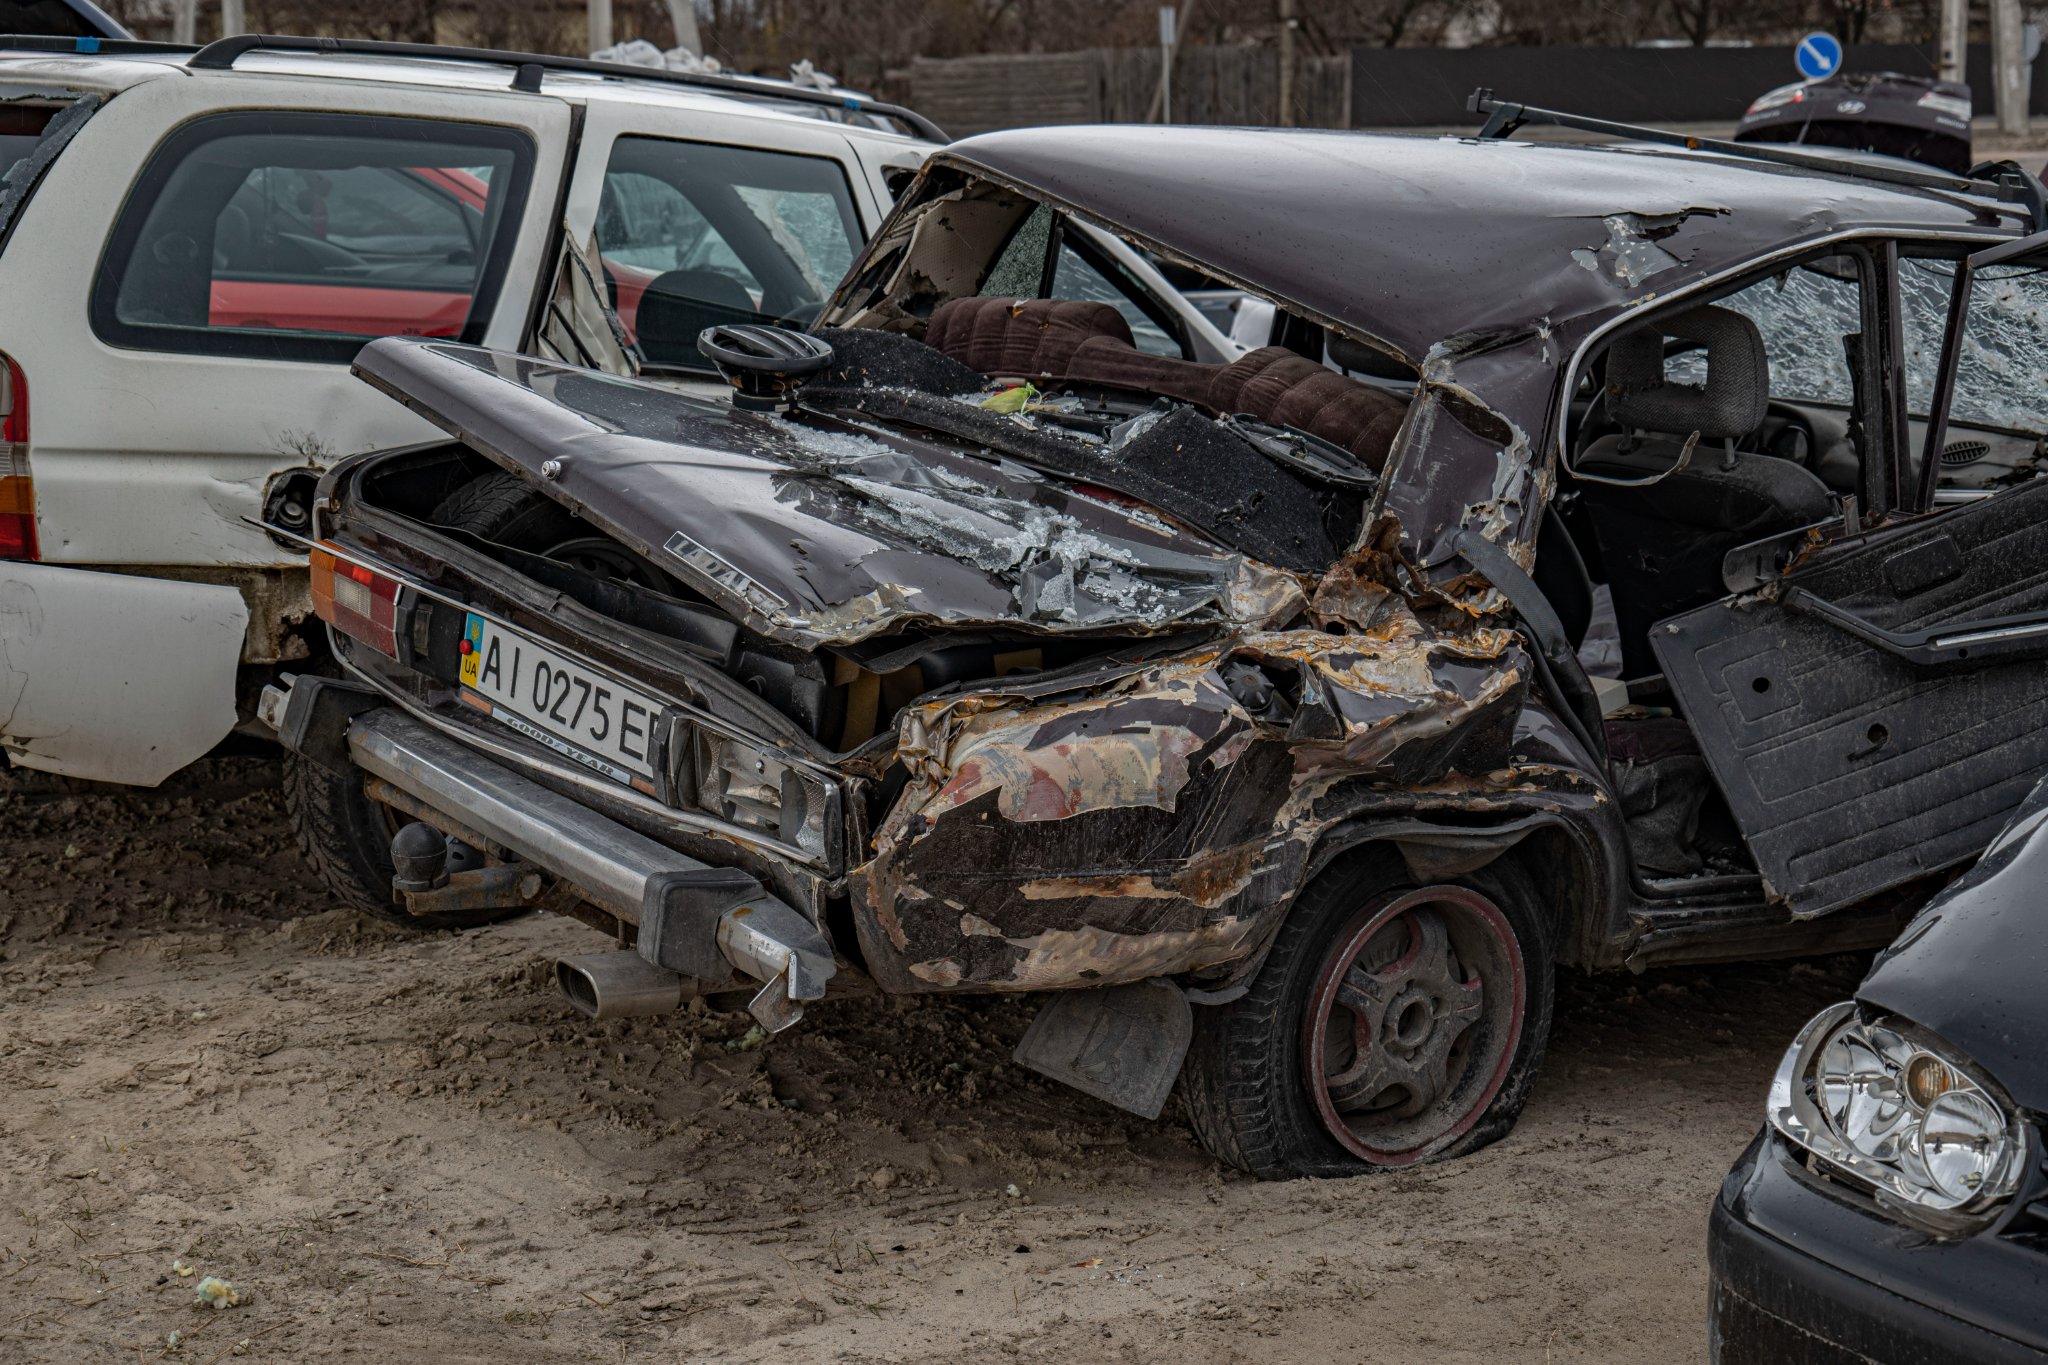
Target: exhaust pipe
(620,985)
(697,923)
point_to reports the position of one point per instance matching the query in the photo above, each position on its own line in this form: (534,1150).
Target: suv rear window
(21,130)
(298,236)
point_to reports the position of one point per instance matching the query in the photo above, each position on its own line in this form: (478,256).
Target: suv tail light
(17,492)
(360,603)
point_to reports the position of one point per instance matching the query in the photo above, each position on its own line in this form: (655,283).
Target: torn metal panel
(1467,462)
(581,327)
(1155,825)
(1633,252)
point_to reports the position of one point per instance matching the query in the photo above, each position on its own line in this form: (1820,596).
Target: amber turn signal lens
(1927,1079)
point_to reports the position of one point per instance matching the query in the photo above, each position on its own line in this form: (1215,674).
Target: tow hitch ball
(435,873)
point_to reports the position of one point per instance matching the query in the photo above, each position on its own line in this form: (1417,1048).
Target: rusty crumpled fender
(1153,824)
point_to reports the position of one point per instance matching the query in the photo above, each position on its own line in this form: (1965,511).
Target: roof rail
(2005,181)
(528,67)
(86,46)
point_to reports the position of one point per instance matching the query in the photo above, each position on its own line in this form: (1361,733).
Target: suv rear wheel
(1391,1024)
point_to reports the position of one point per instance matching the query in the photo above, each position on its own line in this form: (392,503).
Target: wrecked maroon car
(1620,557)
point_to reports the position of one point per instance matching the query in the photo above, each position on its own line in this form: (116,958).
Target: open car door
(1876,713)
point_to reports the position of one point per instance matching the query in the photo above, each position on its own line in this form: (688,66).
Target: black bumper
(1804,1275)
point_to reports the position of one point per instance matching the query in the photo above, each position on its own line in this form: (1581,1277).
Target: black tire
(501,507)
(346,837)
(506,510)
(1246,1079)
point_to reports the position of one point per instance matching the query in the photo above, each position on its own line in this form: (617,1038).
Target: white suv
(194,243)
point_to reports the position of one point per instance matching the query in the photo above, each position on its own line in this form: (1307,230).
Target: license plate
(575,710)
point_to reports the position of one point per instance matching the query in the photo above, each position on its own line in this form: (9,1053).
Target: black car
(1237,708)
(1915,118)
(1895,1206)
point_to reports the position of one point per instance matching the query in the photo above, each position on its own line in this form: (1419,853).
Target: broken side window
(1047,258)
(2001,374)
(694,235)
(1998,413)
(1804,315)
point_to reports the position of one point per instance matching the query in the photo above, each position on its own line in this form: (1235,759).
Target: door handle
(1990,640)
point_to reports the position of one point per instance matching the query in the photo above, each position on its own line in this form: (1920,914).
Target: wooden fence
(1215,85)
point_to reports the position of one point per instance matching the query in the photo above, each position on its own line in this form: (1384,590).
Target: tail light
(1955,106)
(17,492)
(360,603)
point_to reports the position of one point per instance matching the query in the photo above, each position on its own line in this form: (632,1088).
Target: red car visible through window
(369,251)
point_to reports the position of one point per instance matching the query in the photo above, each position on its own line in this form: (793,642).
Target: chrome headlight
(1892,1108)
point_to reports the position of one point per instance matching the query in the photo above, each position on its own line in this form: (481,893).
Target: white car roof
(114,72)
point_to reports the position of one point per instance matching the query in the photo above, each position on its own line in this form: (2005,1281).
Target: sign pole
(1955,40)
(2009,67)
(1166,38)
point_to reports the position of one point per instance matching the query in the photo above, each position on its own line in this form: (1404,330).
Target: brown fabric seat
(1275,385)
(1027,339)
(1090,343)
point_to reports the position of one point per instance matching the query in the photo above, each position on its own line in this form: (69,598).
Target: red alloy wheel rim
(1413,1022)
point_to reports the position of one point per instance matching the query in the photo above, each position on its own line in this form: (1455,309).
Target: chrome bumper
(700,921)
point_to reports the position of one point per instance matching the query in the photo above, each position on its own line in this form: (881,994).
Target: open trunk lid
(816,531)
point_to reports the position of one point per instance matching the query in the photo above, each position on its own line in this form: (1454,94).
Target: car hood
(813,530)
(1970,966)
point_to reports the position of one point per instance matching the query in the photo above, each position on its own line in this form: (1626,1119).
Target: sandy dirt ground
(404,1148)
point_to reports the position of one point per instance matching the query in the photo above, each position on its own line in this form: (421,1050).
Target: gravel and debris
(402,1147)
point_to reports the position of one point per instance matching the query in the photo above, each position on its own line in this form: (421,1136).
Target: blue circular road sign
(1818,56)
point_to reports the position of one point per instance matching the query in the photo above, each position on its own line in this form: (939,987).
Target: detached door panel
(1850,768)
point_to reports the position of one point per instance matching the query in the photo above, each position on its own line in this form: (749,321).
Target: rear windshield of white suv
(299,236)
(35,125)
(694,235)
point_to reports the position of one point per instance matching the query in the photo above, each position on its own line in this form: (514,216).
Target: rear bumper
(694,918)
(1800,1276)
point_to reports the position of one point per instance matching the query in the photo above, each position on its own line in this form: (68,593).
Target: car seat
(1663,542)
(1090,343)
(679,304)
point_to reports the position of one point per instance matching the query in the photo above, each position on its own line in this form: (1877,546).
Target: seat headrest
(1732,401)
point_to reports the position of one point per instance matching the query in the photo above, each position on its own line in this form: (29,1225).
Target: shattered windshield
(1803,315)
(2002,375)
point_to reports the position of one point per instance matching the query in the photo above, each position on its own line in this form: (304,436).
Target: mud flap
(1121,1044)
